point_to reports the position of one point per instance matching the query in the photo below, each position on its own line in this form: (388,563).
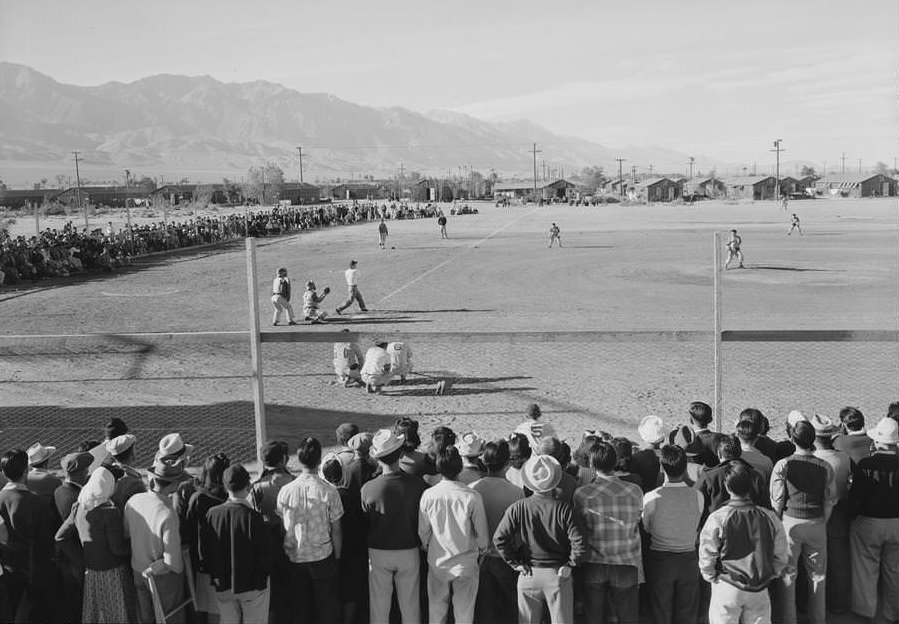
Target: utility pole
(859,165)
(300,152)
(650,171)
(777,150)
(78,191)
(620,178)
(634,173)
(690,162)
(824,169)
(843,163)
(543,166)
(535,152)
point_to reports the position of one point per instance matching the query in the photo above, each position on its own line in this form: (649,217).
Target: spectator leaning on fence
(855,440)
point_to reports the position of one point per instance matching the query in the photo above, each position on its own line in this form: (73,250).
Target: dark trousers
(672,586)
(314,586)
(839,574)
(611,591)
(497,600)
(31,599)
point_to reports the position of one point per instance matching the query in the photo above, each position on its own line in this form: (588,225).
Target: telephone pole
(690,162)
(535,152)
(620,178)
(650,171)
(78,191)
(859,165)
(300,152)
(843,163)
(634,173)
(777,150)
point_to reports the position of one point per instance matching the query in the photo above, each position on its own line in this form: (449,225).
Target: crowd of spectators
(687,525)
(60,253)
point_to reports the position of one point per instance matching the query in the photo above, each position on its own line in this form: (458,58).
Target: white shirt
(351,279)
(452,526)
(276,285)
(536,430)
(376,360)
(400,357)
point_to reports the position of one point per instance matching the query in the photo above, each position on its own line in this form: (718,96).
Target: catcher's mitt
(326,290)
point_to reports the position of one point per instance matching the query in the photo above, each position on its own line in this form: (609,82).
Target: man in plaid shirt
(608,513)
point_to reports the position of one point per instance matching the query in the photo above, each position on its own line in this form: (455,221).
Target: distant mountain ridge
(178,123)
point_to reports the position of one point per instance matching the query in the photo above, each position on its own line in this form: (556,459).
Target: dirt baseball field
(621,268)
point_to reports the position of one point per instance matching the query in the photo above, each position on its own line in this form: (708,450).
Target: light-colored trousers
(807,540)
(736,606)
(874,543)
(545,585)
(463,589)
(249,607)
(282,305)
(387,568)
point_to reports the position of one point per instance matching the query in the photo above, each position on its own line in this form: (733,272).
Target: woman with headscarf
(210,492)
(108,588)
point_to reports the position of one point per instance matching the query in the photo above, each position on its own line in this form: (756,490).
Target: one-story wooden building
(710,188)
(751,187)
(360,191)
(658,190)
(16,199)
(857,185)
(300,193)
(788,185)
(113,196)
(184,193)
(546,191)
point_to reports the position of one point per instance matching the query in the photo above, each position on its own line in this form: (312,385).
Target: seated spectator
(646,461)
(534,428)
(855,440)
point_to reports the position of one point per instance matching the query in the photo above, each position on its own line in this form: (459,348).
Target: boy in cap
(645,462)
(40,480)
(130,481)
(281,297)
(75,466)
(539,538)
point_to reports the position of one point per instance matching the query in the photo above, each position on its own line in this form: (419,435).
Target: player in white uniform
(353,294)
(400,359)
(555,235)
(534,429)
(348,361)
(733,249)
(376,369)
(281,297)
(794,225)
(311,299)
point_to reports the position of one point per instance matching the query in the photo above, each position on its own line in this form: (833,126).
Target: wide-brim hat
(385,442)
(651,429)
(172,444)
(886,431)
(38,453)
(166,471)
(120,444)
(795,417)
(687,439)
(541,473)
(824,426)
(470,444)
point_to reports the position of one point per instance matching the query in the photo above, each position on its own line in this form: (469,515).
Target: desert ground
(622,268)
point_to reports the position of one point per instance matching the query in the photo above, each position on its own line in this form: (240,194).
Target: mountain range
(205,129)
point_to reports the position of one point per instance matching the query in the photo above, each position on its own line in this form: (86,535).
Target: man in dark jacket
(235,549)
(711,480)
(700,419)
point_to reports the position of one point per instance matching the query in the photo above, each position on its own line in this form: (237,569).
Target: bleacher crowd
(60,253)
(686,525)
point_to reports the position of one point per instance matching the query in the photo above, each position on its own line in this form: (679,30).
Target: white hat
(824,426)
(886,431)
(651,429)
(470,444)
(541,473)
(795,417)
(38,453)
(384,442)
(172,444)
(120,444)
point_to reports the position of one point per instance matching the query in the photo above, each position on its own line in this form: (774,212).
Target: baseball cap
(236,478)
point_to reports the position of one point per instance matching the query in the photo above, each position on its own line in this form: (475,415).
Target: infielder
(348,362)
(376,369)
(733,249)
(794,225)
(400,359)
(281,297)
(353,292)
(382,234)
(311,299)
(441,221)
(555,235)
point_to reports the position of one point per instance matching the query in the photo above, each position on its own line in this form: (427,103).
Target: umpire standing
(281,297)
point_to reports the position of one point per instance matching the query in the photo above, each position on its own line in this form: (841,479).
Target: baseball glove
(326,290)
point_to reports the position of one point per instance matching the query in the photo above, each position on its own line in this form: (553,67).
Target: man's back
(153,527)
(858,445)
(235,547)
(28,522)
(608,511)
(391,504)
(452,526)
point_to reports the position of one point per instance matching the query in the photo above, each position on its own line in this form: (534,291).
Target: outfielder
(382,234)
(353,292)
(733,249)
(311,299)
(555,235)
(400,359)
(441,221)
(281,297)
(348,362)
(794,225)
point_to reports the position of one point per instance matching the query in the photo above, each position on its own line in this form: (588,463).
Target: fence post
(716,263)
(255,348)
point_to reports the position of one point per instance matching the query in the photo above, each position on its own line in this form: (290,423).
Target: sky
(716,78)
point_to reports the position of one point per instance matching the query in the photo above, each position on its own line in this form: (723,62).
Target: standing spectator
(855,440)
(263,498)
(700,419)
(608,514)
(412,460)
(839,575)
(748,433)
(121,451)
(496,600)
(344,433)
(452,527)
(742,549)
(360,469)
(40,480)
(685,438)
(210,492)
(624,469)
(310,508)
(353,292)
(176,453)
(803,495)
(235,550)
(711,481)
(519,453)
(539,538)
(75,466)
(567,484)
(152,526)
(765,445)
(646,461)
(471,446)
(390,504)
(785,448)
(671,517)
(874,534)
(28,571)
(70,562)
(534,428)
(97,524)
(281,298)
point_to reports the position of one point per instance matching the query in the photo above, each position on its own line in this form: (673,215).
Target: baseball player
(348,361)
(376,369)
(311,299)
(353,292)
(555,235)
(281,297)
(794,225)
(441,221)
(382,234)
(400,359)
(733,245)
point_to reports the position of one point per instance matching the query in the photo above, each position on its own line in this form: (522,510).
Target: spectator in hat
(645,462)
(497,601)
(519,453)
(803,495)
(310,509)
(40,480)
(747,433)
(210,492)
(763,444)
(28,570)
(874,533)
(412,460)
(131,482)
(471,446)
(567,484)
(608,513)
(343,434)
(360,468)
(70,561)
(174,451)
(742,550)
(700,420)
(671,519)
(235,550)
(539,537)
(152,527)
(786,447)
(390,504)
(376,370)
(711,481)
(534,428)
(263,497)
(838,573)
(854,440)
(685,438)
(75,466)
(452,527)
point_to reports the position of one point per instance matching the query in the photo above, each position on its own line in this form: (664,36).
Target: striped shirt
(608,513)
